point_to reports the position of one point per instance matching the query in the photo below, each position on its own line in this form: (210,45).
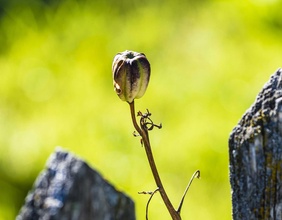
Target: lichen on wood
(255,153)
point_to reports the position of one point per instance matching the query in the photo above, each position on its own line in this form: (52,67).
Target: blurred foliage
(209,59)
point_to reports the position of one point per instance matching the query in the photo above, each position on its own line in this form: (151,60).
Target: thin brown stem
(195,175)
(148,203)
(145,138)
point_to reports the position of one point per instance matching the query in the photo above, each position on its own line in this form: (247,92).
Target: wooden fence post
(255,154)
(69,189)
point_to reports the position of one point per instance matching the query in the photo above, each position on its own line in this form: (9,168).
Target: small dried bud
(131,75)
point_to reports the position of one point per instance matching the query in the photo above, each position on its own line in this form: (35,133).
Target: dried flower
(131,75)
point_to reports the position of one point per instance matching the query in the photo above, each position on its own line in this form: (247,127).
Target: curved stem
(147,206)
(145,138)
(195,175)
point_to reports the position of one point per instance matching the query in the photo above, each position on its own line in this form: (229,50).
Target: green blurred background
(209,60)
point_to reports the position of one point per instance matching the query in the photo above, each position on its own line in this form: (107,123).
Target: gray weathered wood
(255,153)
(69,189)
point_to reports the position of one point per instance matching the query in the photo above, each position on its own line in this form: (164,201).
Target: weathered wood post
(255,153)
(69,189)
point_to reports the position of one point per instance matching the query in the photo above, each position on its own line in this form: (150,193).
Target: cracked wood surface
(255,154)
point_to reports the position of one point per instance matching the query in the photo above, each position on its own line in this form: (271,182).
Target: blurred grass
(209,59)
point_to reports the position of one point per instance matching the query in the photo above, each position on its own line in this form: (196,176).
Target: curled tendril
(146,122)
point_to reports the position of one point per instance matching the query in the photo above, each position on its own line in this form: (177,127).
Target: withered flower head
(131,75)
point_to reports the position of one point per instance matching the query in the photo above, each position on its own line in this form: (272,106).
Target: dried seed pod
(131,75)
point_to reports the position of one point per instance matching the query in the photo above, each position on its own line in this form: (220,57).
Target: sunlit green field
(209,60)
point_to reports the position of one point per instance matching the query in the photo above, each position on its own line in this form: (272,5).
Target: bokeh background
(209,60)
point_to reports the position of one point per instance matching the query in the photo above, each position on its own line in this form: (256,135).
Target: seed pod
(131,75)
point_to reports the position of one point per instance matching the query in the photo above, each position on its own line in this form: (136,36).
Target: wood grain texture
(69,189)
(255,154)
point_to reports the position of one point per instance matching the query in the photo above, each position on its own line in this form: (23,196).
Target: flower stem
(145,138)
